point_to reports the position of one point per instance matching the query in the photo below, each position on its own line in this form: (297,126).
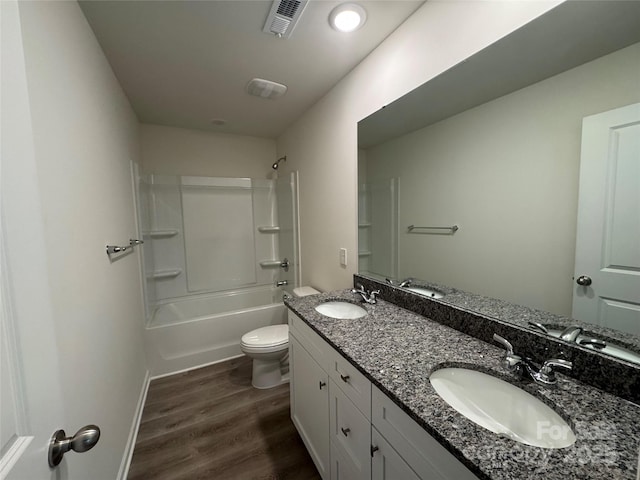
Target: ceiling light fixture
(347,17)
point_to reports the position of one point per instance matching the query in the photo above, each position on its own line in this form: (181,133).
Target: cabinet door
(310,404)
(342,465)
(350,432)
(386,464)
(427,457)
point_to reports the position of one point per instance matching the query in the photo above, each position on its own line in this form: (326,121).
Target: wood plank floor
(211,423)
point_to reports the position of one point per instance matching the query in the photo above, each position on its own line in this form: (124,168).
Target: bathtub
(189,333)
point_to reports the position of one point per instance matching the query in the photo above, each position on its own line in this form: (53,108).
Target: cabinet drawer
(420,450)
(317,347)
(353,383)
(350,431)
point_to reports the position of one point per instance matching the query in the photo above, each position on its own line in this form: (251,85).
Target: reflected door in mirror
(608,233)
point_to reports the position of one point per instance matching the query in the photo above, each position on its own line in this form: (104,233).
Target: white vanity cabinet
(412,446)
(310,393)
(351,429)
(330,405)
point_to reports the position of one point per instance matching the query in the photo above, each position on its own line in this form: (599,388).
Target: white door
(30,402)
(607,267)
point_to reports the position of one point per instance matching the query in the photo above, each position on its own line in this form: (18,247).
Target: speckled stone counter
(481,317)
(397,350)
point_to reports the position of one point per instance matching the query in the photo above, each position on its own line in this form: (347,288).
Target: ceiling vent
(266,88)
(283,17)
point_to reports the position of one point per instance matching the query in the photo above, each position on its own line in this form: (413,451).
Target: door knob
(84,439)
(584,280)
(285,264)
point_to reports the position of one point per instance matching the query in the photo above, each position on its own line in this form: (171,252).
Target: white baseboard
(133,433)
(195,367)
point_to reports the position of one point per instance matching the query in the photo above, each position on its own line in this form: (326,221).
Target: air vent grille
(279,26)
(283,16)
(288,8)
(266,88)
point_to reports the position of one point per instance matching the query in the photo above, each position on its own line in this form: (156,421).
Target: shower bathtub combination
(214,252)
(202,330)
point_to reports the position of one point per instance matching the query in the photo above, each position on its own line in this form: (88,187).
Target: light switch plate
(343,257)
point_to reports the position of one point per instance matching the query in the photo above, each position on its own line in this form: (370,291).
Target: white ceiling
(184,63)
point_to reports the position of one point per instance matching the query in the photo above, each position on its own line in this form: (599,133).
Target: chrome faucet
(406,282)
(281,283)
(570,334)
(544,374)
(593,342)
(539,326)
(369,297)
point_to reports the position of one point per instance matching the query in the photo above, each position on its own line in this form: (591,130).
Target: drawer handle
(321,384)
(345,378)
(374,449)
(345,431)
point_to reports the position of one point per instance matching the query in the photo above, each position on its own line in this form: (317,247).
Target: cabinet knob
(345,431)
(321,384)
(374,449)
(345,378)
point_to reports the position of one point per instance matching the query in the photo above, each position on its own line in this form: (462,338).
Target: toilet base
(268,374)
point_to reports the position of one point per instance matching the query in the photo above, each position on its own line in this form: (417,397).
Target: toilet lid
(304,291)
(267,336)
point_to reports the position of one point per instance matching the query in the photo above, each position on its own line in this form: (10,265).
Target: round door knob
(584,280)
(84,439)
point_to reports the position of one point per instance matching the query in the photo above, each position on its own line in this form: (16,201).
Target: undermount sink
(341,310)
(428,292)
(502,408)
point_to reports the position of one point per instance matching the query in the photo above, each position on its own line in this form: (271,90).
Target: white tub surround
(190,333)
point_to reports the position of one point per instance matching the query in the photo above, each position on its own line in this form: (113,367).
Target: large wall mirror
(494,147)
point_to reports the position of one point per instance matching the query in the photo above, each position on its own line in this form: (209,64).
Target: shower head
(275,165)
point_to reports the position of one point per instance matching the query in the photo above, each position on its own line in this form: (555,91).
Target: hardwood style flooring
(211,424)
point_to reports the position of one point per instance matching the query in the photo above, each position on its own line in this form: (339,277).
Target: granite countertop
(523,316)
(397,350)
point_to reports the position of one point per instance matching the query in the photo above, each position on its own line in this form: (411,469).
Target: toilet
(269,349)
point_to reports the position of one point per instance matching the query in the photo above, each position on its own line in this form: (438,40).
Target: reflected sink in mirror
(341,310)
(502,408)
(427,292)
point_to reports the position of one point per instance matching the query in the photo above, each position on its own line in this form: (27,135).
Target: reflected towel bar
(453,229)
(111,249)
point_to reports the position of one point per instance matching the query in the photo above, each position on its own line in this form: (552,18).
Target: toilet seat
(266,339)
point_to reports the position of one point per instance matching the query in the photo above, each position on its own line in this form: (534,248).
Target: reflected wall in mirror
(494,147)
